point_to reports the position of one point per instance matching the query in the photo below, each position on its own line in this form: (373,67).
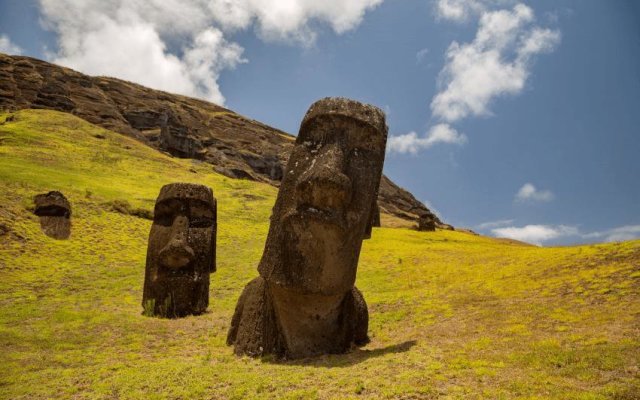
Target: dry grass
(453,315)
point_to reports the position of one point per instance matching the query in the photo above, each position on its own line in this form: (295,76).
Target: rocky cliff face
(236,146)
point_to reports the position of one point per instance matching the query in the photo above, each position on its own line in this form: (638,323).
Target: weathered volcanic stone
(374,221)
(427,222)
(54,211)
(181,252)
(304,302)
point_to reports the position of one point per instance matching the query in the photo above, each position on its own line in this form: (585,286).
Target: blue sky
(514,118)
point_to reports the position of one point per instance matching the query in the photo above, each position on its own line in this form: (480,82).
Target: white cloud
(289,20)
(528,192)
(495,224)
(536,234)
(458,10)
(421,55)
(431,208)
(8,47)
(536,41)
(619,234)
(495,63)
(411,143)
(179,45)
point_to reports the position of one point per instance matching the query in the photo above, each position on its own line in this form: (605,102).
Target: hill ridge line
(237,146)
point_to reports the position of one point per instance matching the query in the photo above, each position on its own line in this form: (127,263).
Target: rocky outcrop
(236,146)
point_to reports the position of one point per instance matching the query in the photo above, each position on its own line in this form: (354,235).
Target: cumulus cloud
(8,47)
(496,63)
(619,234)
(458,10)
(412,143)
(289,20)
(528,192)
(494,224)
(180,45)
(536,234)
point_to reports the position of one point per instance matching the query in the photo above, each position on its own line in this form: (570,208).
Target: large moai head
(181,252)
(326,197)
(54,211)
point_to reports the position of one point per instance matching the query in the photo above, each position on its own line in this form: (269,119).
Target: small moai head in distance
(326,197)
(427,222)
(181,251)
(54,211)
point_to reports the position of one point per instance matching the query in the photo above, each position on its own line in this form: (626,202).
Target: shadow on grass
(344,360)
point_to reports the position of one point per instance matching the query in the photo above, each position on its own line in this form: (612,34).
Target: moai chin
(181,252)
(304,302)
(54,211)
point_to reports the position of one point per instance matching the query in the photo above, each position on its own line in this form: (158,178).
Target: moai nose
(324,184)
(177,253)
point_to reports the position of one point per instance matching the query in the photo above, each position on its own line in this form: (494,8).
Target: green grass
(452,315)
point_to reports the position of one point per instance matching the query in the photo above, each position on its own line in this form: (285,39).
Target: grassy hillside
(452,315)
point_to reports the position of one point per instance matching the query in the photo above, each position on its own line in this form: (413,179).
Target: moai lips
(304,301)
(181,252)
(54,211)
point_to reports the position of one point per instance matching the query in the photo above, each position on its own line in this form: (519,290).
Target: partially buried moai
(304,302)
(181,252)
(427,221)
(54,211)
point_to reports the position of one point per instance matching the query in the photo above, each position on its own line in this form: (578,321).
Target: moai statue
(181,252)
(304,302)
(54,211)
(427,222)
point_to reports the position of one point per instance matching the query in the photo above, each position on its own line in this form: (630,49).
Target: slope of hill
(238,147)
(452,315)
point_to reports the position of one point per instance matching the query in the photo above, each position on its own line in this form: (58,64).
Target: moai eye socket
(54,211)
(200,215)
(166,211)
(200,222)
(163,218)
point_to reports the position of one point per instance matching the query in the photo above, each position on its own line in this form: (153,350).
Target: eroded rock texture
(304,302)
(54,211)
(374,220)
(181,252)
(236,146)
(427,222)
